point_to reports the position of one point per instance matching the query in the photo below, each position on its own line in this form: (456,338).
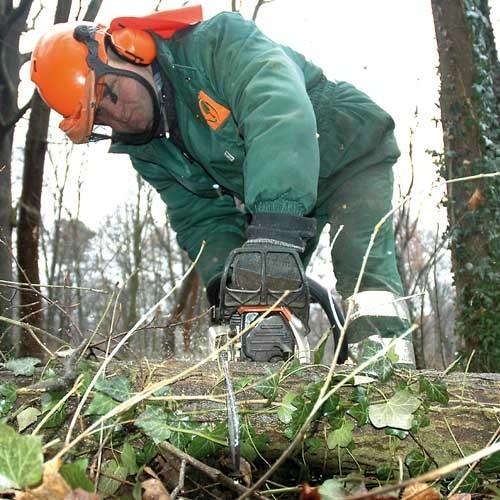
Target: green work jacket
(259,124)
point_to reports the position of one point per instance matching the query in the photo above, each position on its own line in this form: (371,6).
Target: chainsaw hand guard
(258,275)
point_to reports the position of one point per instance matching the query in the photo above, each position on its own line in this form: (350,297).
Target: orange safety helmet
(67,83)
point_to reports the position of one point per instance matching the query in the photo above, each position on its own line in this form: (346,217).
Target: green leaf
(382,368)
(200,447)
(470,485)
(268,387)
(75,474)
(397,412)
(417,463)
(22,366)
(399,433)
(21,459)
(118,388)
(27,417)
(8,396)
(286,408)
(299,416)
(436,390)
(491,465)
(49,400)
(340,437)
(100,404)
(128,458)
(112,475)
(241,383)
(314,444)
(359,412)
(332,489)
(146,453)
(154,423)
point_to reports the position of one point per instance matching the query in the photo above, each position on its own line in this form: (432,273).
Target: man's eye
(109,92)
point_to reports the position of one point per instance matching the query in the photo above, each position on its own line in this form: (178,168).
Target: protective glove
(279,238)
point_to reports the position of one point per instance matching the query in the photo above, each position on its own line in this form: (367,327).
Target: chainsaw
(263,333)
(258,322)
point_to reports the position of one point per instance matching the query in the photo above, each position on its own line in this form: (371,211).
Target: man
(213,111)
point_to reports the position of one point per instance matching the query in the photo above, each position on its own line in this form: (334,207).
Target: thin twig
(432,475)
(212,473)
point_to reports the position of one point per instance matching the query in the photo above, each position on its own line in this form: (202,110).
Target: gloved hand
(278,238)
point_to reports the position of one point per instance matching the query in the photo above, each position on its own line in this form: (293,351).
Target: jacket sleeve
(215,221)
(266,92)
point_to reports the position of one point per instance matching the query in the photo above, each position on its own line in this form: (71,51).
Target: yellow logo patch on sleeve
(215,114)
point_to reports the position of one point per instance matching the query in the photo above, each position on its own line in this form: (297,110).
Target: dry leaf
(420,491)
(461,496)
(246,471)
(309,493)
(475,200)
(154,490)
(53,485)
(80,494)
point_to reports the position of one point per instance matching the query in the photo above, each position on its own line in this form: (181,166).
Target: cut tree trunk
(464,425)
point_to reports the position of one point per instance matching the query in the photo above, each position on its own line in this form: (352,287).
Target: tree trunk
(470,101)
(474,395)
(29,222)
(12,24)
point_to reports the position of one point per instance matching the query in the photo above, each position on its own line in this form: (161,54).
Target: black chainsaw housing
(272,339)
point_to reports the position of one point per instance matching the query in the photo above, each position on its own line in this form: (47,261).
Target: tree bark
(469,99)
(12,23)
(470,418)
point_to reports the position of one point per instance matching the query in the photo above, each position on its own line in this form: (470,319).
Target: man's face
(124,105)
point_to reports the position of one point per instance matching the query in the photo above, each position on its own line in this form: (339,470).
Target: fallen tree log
(458,413)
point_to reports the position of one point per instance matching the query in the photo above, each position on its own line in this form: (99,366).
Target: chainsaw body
(244,314)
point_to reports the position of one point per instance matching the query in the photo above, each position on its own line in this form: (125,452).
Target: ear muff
(134,45)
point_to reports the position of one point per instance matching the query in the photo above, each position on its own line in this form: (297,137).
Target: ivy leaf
(118,388)
(49,400)
(286,408)
(200,447)
(396,412)
(8,396)
(113,474)
(436,390)
(146,453)
(27,417)
(128,458)
(21,459)
(340,437)
(241,383)
(75,474)
(359,413)
(399,433)
(470,485)
(417,463)
(268,387)
(332,489)
(382,368)
(299,416)
(22,366)
(491,465)
(100,404)
(154,423)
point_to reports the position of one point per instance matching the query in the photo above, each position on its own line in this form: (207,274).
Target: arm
(266,93)
(196,219)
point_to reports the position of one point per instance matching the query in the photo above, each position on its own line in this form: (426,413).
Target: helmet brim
(78,126)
